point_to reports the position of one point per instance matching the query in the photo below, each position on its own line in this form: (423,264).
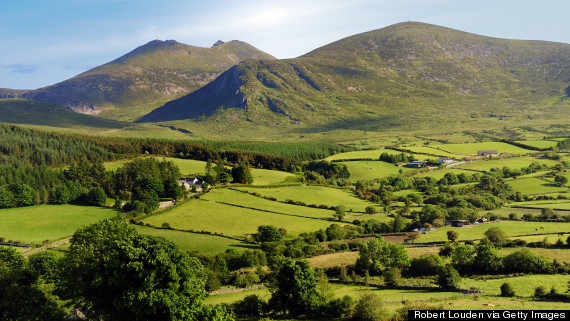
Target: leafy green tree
(370,209)
(462,257)
(21,297)
(60,195)
(150,199)
(452,235)
(6,198)
(375,256)
(123,275)
(392,276)
(295,289)
(398,224)
(335,232)
(268,233)
(507,290)
(24,195)
(488,259)
(241,174)
(368,308)
(496,236)
(448,278)
(526,262)
(96,196)
(560,180)
(45,264)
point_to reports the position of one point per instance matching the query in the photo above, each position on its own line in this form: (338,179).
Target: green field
(538,143)
(239,198)
(36,224)
(187,166)
(268,177)
(534,186)
(373,154)
(523,285)
(429,150)
(472,148)
(369,170)
(511,162)
(230,220)
(355,291)
(439,173)
(314,195)
(193,242)
(511,229)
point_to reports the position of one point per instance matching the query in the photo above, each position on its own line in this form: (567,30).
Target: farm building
(416,164)
(189,182)
(445,160)
(486,153)
(460,223)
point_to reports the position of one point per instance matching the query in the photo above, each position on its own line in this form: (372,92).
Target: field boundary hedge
(407,287)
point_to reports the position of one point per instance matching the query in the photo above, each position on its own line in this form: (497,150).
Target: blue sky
(43,42)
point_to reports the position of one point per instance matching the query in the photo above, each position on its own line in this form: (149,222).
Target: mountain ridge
(379,78)
(142,79)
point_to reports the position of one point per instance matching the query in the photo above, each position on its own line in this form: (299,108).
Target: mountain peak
(218,43)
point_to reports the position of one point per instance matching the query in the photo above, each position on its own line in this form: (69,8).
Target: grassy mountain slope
(145,78)
(28,112)
(410,76)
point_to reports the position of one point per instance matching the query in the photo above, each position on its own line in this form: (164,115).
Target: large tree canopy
(123,275)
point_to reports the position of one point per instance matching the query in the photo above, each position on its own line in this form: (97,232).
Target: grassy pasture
(428,150)
(35,224)
(439,173)
(368,154)
(511,229)
(267,177)
(230,220)
(487,302)
(369,170)
(523,285)
(355,291)
(348,258)
(534,186)
(472,148)
(538,143)
(561,255)
(187,166)
(314,195)
(512,162)
(192,242)
(238,198)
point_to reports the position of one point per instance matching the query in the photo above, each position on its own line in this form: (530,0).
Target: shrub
(507,290)
(540,291)
(392,276)
(448,278)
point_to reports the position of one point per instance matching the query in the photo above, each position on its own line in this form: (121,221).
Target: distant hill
(28,112)
(143,79)
(408,74)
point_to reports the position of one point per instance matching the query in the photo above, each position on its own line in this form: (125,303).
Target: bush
(250,306)
(370,209)
(368,308)
(392,276)
(448,278)
(507,290)
(540,291)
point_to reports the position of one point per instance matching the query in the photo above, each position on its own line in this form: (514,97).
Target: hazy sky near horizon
(43,42)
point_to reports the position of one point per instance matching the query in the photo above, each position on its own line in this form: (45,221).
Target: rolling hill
(409,75)
(143,79)
(28,112)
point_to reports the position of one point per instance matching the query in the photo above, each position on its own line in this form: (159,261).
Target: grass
(314,195)
(439,173)
(511,228)
(523,285)
(538,143)
(239,198)
(534,186)
(428,150)
(192,242)
(187,166)
(36,224)
(369,170)
(472,148)
(511,162)
(230,220)
(268,177)
(561,255)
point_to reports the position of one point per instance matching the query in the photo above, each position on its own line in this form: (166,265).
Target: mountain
(408,74)
(28,112)
(143,79)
